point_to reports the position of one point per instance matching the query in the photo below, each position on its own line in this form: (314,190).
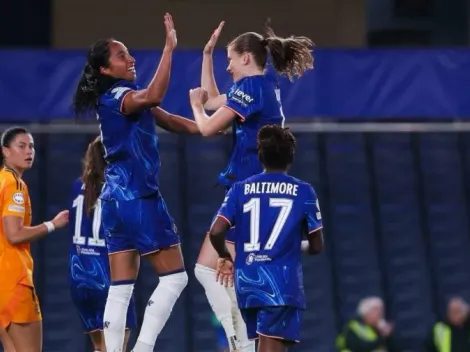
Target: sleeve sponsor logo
(242,98)
(16,208)
(18,198)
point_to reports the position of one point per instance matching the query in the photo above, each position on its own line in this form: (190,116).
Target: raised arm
(152,96)
(215,99)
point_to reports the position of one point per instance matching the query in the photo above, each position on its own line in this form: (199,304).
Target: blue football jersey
(131,147)
(88,260)
(256,101)
(272,212)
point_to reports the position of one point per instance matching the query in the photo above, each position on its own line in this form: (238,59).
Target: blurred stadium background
(382,131)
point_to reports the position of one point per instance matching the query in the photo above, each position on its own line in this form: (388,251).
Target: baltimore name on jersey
(271,213)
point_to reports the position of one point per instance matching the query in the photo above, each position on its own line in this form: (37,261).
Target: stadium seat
(446,215)
(318,282)
(402,249)
(354,256)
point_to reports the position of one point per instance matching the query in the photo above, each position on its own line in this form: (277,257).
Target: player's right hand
(198,96)
(61,219)
(224,272)
(209,48)
(171,40)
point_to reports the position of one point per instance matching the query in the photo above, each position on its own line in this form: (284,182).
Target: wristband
(50,226)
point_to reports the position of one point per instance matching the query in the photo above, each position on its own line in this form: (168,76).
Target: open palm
(224,272)
(209,48)
(171,40)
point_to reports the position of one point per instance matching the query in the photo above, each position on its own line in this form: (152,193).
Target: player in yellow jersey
(20,314)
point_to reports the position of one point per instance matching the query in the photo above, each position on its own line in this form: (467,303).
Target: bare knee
(124,265)
(167,260)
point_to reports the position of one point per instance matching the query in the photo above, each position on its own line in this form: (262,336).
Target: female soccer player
(135,218)
(88,263)
(251,103)
(20,314)
(272,212)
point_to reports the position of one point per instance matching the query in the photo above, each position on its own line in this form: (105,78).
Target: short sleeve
(14,200)
(245,98)
(312,211)
(228,209)
(115,96)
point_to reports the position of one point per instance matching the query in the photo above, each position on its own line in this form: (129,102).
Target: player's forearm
(159,84)
(212,104)
(174,123)
(218,242)
(207,76)
(203,121)
(181,124)
(27,234)
(314,243)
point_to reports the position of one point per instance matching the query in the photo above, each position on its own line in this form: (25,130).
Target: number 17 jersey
(271,213)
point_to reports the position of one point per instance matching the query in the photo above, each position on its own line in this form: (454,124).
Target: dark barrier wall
(395,209)
(366,84)
(25,23)
(139,23)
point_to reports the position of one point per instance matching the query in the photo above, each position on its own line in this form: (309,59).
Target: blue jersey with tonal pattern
(256,101)
(88,260)
(131,147)
(271,213)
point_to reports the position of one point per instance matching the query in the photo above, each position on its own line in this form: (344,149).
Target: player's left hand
(198,96)
(209,48)
(171,40)
(224,272)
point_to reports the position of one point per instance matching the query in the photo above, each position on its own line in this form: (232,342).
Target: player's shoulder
(248,88)
(8,178)
(243,186)
(117,91)
(303,185)
(237,186)
(78,187)
(254,178)
(122,87)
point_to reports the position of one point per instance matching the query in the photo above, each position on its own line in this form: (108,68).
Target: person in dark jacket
(452,334)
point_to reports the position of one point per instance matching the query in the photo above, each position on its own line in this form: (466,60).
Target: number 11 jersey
(88,266)
(271,212)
